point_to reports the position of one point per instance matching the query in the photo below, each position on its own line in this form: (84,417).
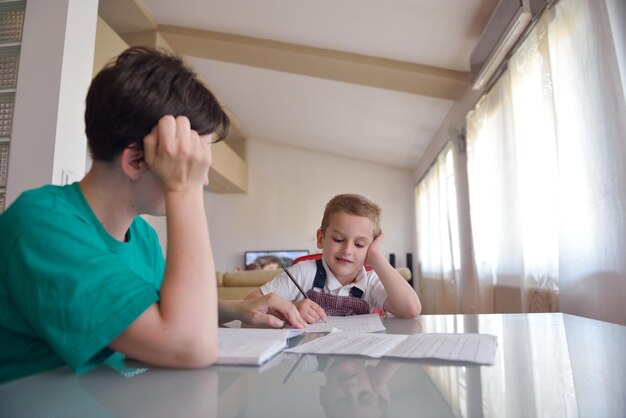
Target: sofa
(238,284)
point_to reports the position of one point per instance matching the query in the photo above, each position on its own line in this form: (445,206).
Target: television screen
(268,260)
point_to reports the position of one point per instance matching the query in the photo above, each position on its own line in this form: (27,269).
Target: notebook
(251,346)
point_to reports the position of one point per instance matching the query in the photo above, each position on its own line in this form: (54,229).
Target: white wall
(56,61)
(288,189)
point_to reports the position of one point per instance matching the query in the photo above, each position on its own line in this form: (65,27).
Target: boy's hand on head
(177,155)
(310,311)
(374,251)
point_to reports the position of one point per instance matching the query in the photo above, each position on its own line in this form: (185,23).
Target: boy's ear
(320,239)
(133,163)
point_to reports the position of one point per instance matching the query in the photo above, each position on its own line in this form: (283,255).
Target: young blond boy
(350,237)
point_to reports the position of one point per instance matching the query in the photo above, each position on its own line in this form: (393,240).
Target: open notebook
(251,346)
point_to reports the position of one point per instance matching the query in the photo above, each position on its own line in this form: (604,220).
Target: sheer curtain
(438,235)
(513,183)
(546,162)
(591,136)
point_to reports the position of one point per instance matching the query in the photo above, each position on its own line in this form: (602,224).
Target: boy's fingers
(287,310)
(183,128)
(318,310)
(271,320)
(295,319)
(150,145)
(314,314)
(166,129)
(309,318)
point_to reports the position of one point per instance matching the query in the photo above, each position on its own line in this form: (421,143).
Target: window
(438,246)
(546,165)
(546,179)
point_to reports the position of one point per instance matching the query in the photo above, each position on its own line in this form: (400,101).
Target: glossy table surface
(547,365)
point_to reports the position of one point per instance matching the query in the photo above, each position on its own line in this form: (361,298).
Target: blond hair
(352,204)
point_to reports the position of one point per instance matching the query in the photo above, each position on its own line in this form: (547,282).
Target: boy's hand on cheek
(374,251)
(177,155)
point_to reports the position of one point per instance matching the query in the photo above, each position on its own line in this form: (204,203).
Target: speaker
(409,262)
(392,259)
(409,265)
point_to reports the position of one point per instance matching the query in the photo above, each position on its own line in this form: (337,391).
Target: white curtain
(546,162)
(591,134)
(513,186)
(438,235)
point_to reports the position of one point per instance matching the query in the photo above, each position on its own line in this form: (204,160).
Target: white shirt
(304,273)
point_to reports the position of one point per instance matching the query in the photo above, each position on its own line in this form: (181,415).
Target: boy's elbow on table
(407,310)
(196,354)
(189,350)
(408,313)
(415,309)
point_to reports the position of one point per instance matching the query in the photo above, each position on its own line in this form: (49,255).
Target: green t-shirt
(67,288)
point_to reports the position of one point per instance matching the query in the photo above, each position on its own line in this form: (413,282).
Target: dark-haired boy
(82,275)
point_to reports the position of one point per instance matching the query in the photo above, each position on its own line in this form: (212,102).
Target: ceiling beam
(327,64)
(126,15)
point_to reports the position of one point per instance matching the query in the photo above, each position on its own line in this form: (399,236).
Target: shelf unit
(11,25)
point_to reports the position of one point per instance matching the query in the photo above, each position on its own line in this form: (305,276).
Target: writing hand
(265,309)
(310,311)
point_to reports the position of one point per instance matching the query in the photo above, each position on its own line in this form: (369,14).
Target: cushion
(404,272)
(249,277)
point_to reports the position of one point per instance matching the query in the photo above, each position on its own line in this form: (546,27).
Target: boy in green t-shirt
(82,275)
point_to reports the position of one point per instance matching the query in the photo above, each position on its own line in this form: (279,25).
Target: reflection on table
(547,365)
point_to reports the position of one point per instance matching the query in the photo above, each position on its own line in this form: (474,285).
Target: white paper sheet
(354,323)
(472,348)
(370,345)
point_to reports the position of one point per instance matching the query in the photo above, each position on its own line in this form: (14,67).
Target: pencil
(295,282)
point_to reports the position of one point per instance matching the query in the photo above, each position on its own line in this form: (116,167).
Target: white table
(549,365)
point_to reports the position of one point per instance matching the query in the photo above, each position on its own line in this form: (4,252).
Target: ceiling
(357,78)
